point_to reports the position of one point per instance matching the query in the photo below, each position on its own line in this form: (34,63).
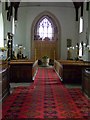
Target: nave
(47,98)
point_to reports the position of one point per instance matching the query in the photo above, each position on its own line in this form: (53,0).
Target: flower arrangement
(45,57)
(3,53)
(3,49)
(45,60)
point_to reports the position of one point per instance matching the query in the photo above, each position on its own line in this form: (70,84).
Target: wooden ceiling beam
(77,5)
(9,9)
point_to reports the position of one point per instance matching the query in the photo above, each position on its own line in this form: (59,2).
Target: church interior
(45,60)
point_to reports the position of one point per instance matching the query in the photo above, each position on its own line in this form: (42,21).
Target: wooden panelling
(45,48)
(22,71)
(72,74)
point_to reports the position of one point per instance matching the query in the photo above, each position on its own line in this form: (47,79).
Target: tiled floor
(19,84)
(14,85)
(73,86)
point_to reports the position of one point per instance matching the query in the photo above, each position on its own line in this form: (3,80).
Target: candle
(54,54)
(35,53)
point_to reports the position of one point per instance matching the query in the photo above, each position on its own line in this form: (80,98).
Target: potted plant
(45,60)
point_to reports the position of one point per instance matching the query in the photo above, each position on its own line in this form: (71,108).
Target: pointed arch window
(44,29)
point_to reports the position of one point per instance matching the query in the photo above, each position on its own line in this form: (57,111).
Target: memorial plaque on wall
(69,42)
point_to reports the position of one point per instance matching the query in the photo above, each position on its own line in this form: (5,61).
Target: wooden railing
(34,69)
(59,69)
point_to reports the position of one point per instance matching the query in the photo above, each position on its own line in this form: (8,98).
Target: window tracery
(45,29)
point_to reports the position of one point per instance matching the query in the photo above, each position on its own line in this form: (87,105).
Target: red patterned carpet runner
(46,99)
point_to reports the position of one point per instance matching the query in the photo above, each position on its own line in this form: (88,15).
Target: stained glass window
(45,29)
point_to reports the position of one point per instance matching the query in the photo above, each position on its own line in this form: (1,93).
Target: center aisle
(51,98)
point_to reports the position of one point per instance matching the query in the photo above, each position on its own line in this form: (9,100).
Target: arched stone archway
(53,47)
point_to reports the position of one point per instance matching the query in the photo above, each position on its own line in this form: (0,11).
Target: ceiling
(15,4)
(73,4)
(57,4)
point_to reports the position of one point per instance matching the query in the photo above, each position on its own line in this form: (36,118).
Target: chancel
(45,60)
